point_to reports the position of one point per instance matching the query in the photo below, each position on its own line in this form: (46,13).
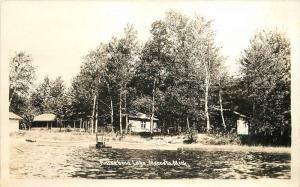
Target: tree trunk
(221,108)
(96,120)
(120,111)
(187,122)
(125,106)
(93,114)
(206,98)
(111,114)
(127,123)
(12,95)
(153,107)
(80,124)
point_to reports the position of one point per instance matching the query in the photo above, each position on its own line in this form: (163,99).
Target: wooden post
(74,125)
(51,126)
(47,125)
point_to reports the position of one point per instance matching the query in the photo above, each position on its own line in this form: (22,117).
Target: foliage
(266,83)
(177,75)
(50,97)
(21,77)
(191,136)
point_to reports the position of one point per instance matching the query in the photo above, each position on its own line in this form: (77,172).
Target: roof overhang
(45,117)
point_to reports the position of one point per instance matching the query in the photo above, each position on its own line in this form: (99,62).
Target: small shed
(14,122)
(235,121)
(241,125)
(46,120)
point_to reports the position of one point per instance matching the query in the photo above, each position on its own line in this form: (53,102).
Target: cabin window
(143,124)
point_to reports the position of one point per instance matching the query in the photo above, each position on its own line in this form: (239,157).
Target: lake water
(163,164)
(36,161)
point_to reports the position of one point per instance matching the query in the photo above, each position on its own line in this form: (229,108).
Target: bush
(148,134)
(68,129)
(224,139)
(191,136)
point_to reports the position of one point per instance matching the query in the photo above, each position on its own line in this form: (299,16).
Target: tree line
(178,75)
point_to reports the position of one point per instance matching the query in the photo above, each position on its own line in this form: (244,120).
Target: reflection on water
(205,164)
(86,163)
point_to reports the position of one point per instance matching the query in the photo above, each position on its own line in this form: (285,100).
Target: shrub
(191,136)
(68,129)
(224,139)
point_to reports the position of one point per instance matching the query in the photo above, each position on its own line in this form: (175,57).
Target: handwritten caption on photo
(143,163)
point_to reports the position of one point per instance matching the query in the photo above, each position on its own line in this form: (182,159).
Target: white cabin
(14,122)
(140,122)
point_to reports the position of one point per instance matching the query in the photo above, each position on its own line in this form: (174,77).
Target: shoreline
(75,139)
(199,147)
(154,146)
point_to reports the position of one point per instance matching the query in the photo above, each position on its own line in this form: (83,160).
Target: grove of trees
(177,75)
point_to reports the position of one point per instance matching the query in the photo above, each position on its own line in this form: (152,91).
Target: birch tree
(206,55)
(21,76)
(123,54)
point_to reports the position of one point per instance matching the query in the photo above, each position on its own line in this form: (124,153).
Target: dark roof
(14,116)
(239,114)
(45,117)
(216,110)
(140,115)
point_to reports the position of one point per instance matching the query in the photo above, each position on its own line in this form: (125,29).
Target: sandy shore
(46,138)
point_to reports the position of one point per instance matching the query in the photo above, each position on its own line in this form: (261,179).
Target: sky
(58,34)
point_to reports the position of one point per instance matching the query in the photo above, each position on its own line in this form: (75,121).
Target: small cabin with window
(140,122)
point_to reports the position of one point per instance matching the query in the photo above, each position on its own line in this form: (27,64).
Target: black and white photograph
(105,90)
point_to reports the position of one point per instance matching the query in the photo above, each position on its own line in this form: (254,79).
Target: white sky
(58,34)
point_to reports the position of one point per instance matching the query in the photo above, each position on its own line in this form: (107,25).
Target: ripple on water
(82,162)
